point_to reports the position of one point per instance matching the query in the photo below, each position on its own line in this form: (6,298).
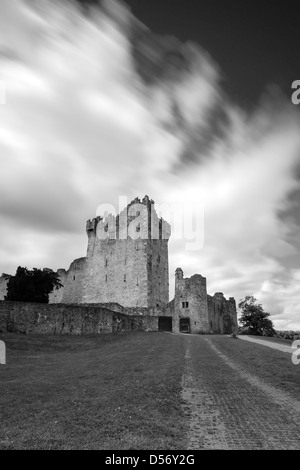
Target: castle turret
(178,274)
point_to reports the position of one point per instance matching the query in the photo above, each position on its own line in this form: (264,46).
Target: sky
(181,100)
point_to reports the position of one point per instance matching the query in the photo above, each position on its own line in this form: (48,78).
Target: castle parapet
(91,224)
(138,220)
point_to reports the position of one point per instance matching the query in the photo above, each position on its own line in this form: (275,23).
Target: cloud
(284,305)
(98,107)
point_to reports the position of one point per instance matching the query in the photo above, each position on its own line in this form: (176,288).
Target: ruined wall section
(211,310)
(230,317)
(56,295)
(222,314)
(73,284)
(3,285)
(191,302)
(216,311)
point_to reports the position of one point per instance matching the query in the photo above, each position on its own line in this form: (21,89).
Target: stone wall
(56,295)
(164,310)
(230,317)
(3,285)
(34,318)
(222,313)
(116,272)
(73,283)
(215,312)
(157,272)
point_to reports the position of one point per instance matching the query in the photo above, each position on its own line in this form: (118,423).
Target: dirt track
(228,407)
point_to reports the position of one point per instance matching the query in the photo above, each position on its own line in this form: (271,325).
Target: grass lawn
(115,391)
(110,391)
(273,366)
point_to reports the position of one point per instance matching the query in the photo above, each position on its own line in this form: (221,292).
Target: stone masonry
(195,311)
(126,270)
(191,303)
(3,284)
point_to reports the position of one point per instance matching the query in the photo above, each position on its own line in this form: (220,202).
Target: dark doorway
(184,325)
(164,323)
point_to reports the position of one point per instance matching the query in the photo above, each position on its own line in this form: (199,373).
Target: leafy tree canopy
(255,318)
(32,286)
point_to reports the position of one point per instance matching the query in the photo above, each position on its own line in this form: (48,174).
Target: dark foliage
(254,319)
(32,286)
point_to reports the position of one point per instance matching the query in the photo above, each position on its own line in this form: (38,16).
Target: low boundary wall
(69,319)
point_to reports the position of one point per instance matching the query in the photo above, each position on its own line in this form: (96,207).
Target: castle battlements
(139,220)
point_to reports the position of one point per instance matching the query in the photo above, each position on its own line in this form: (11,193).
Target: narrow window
(106,263)
(73,278)
(124,277)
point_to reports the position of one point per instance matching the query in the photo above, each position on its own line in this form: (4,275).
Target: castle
(126,269)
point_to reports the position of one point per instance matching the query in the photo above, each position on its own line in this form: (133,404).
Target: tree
(32,286)
(255,318)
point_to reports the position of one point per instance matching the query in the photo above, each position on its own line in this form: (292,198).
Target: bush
(255,318)
(288,334)
(32,286)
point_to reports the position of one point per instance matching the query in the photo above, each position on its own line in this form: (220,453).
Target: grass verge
(273,366)
(110,391)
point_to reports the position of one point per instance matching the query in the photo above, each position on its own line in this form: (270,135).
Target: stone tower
(190,304)
(127,257)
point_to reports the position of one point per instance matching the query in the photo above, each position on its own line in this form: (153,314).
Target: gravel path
(228,407)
